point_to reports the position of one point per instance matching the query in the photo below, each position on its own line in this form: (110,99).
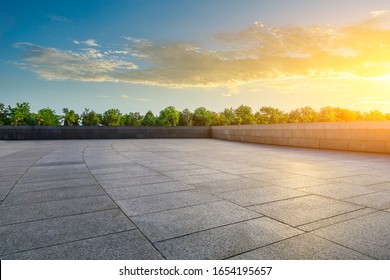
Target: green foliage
(168,117)
(149,119)
(303,115)
(375,115)
(202,117)
(270,115)
(4,115)
(112,117)
(186,118)
(244,115)
(132,119)
(70,117)
(47,116)
(90,118)
(21,115)
(229,117)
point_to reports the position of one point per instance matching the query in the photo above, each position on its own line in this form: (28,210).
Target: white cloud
(76,42)
(124,96)
(257,53)
(90,43)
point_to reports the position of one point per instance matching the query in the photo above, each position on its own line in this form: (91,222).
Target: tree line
(21,115)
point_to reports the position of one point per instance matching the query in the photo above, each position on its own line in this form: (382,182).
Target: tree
(245,115)
(132,119)
(149,119)
(229,117)
(202,117)
(374,115)
(90,118)
(388,116)
(112,117)
(70,117)
(327,114)
(47,116)
(4,115)
(270,115)
(186,118)
(303,115)
(21,115)
(168,117)
(346,115)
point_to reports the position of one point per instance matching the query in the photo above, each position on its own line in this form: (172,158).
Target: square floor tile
(304,210)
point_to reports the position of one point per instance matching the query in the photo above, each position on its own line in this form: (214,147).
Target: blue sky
(137,55)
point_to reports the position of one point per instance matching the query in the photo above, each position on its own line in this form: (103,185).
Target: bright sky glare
(137,55)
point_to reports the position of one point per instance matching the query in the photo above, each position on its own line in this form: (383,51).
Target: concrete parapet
(364,136)
(88,132)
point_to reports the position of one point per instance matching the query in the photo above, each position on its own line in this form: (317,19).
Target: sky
(140,55)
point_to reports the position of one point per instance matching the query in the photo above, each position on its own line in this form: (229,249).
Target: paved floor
(190,199)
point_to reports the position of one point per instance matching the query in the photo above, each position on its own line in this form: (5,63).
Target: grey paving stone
(339,190)
(173,223)
(3,193)
(378,200)
(26,179)
(229,185)
(270,176)
(364,180)
(58,163)
(33,235)
(148,189)
(128,245)
(189,172)
(248,197)
(303,210)
(226,241)
(384,186)
(19,198)
(45,210)
(194,179)
(303,247)
(130,174)
(10,178)
(336,219)
(166,201)
(135,181)
(168,167)
(368,234)
(299,182)
(52,185)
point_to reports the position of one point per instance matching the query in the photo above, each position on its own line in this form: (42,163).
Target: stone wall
(103,132)
(364,136)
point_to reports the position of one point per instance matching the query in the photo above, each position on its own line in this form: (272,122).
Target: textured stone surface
(37,234)
(303,210)
(368,234)
(190,199)
(173,223)
(226,241)
(162,202)
(128,245)
(303,247)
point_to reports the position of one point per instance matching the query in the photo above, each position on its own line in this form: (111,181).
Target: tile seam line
(365,254)
(68,242)
(59,217)
(17,181)
(211,228)
(297,236)
(119,208)
(55,200)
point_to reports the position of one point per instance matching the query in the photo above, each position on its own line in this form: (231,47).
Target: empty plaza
(153,199)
